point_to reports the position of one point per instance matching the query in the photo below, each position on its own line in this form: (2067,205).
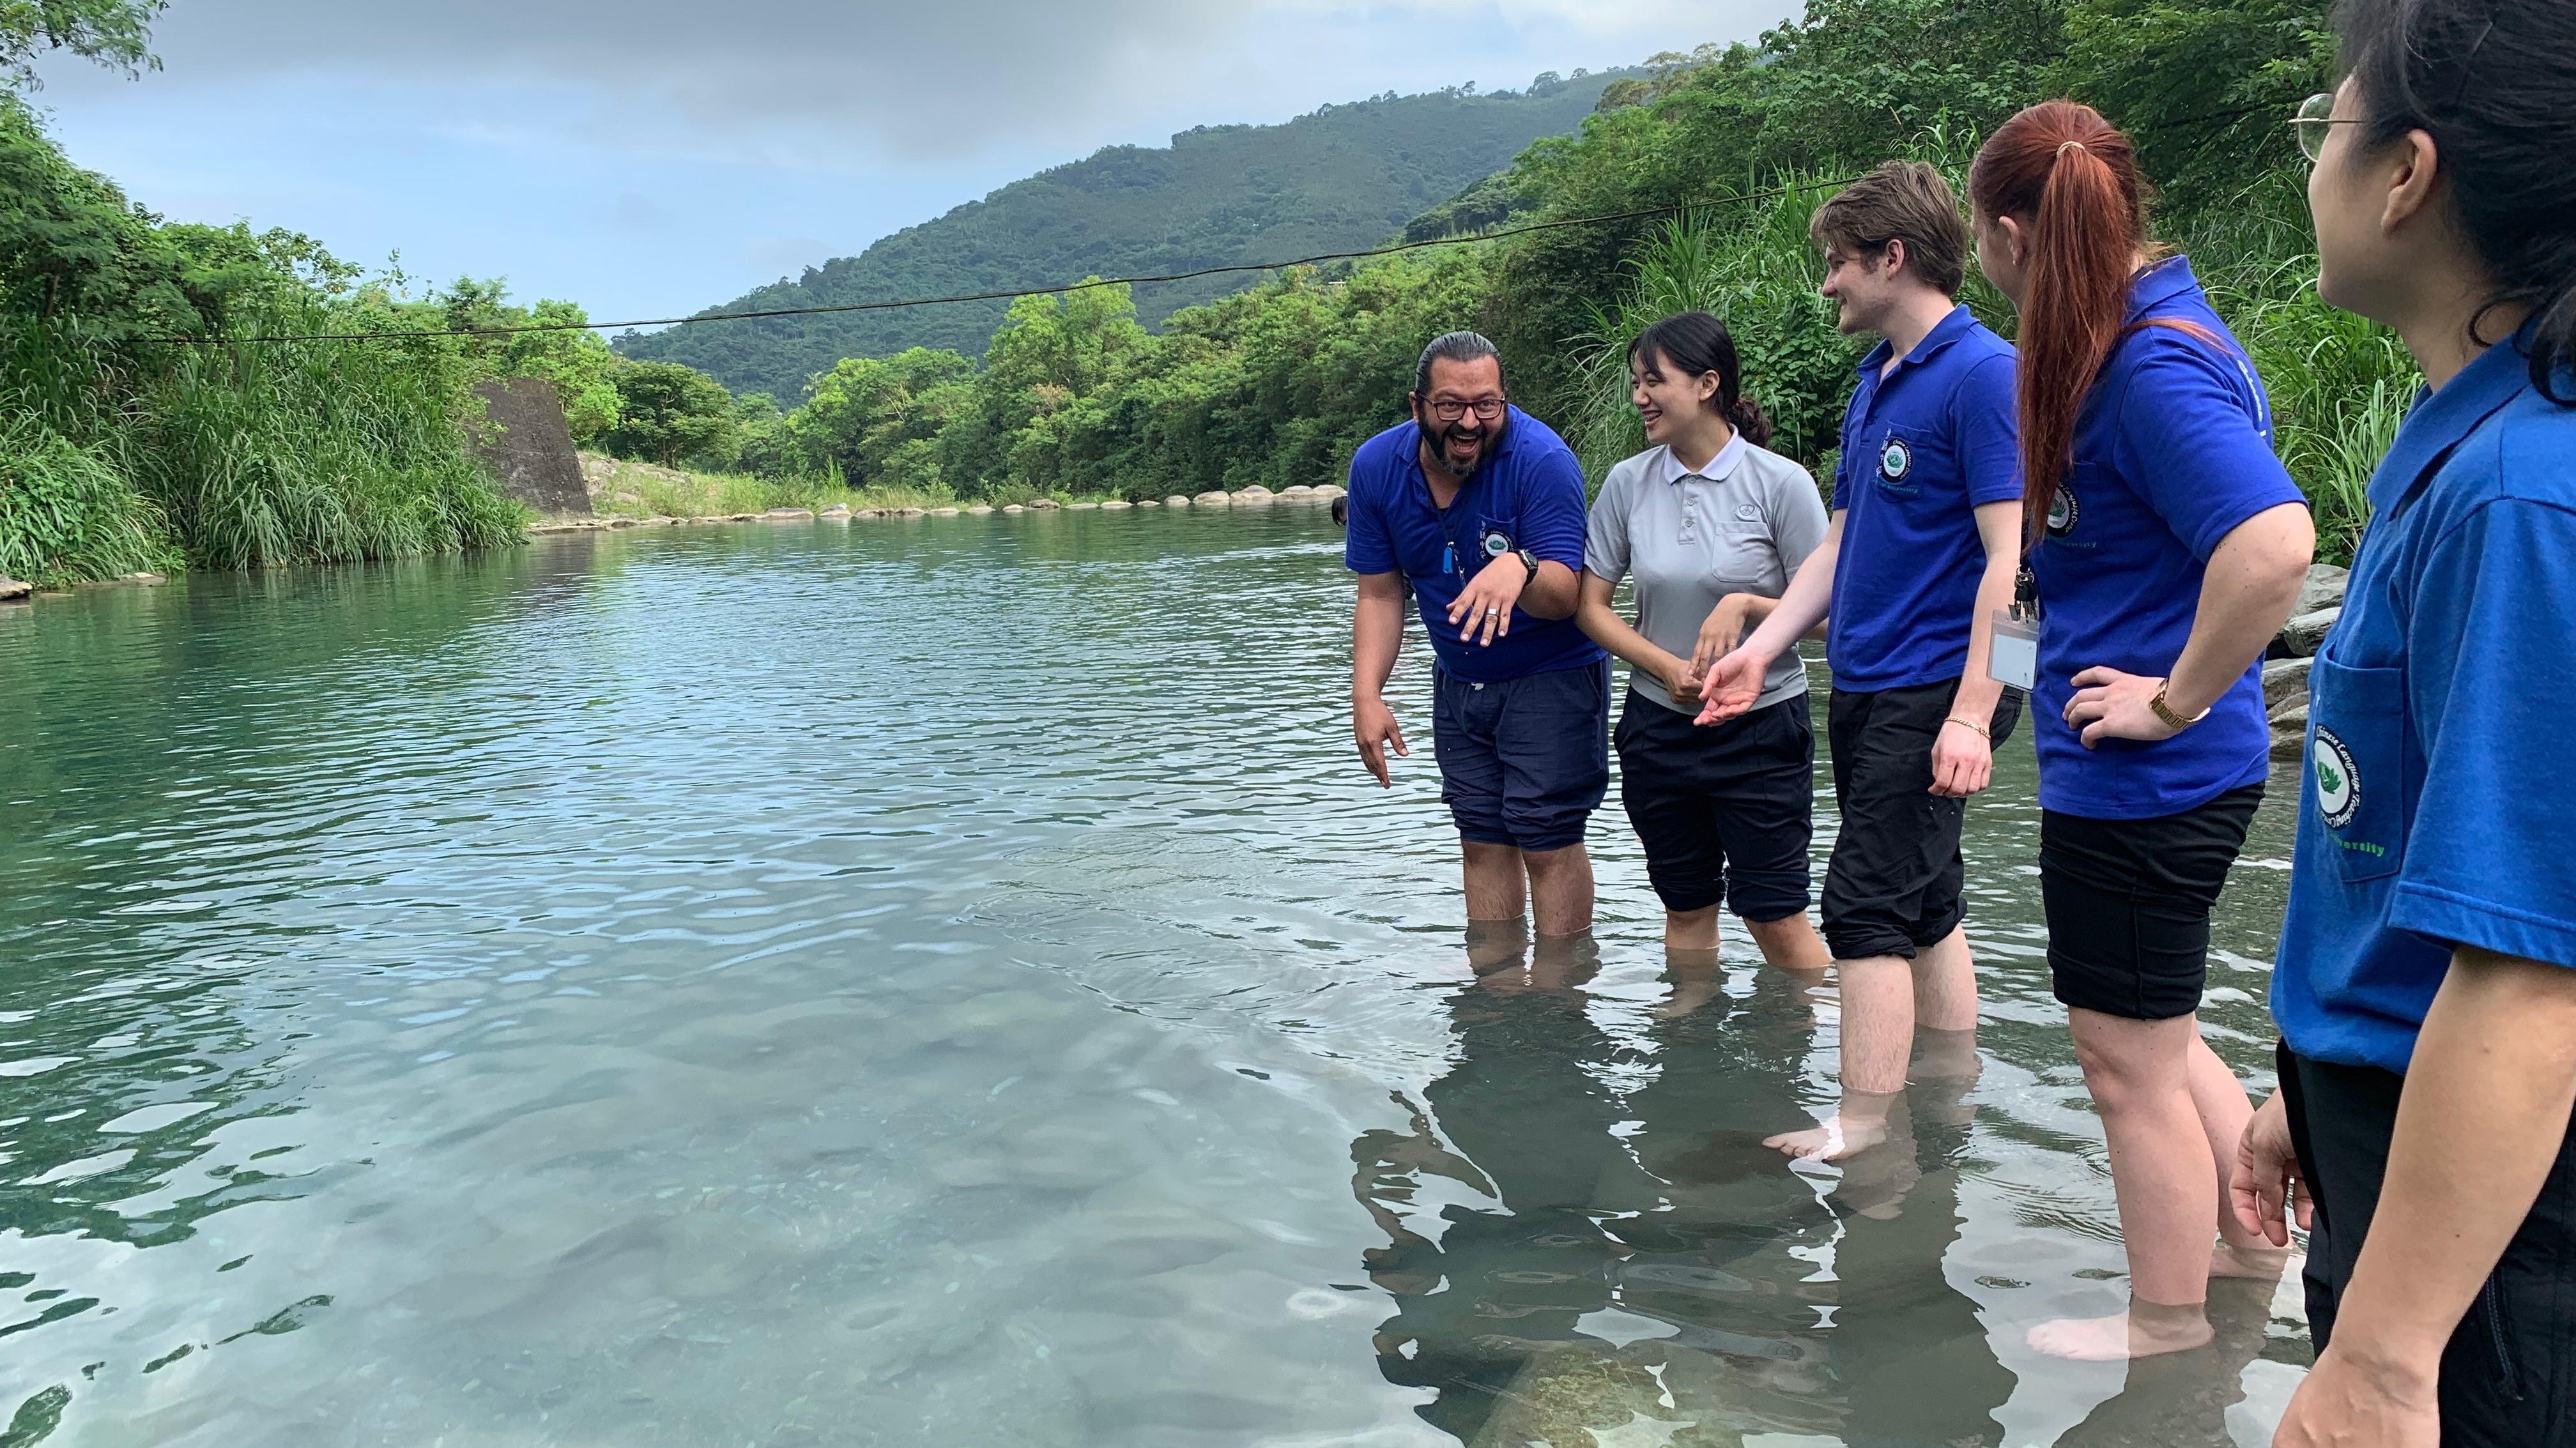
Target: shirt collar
(1944,332)
(1719,467)
(2161,282)
(2439,419)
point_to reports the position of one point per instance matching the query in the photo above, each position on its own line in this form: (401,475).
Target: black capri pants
(1725,812)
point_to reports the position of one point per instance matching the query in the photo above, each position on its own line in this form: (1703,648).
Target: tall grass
(240,456)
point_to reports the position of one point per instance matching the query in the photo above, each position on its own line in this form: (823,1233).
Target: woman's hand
(2266,1187)
(1682,679)
(2109,704)
(1721,631)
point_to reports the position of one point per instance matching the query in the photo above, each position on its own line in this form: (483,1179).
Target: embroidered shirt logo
(2338,782)
(2064,512)
(1747,513)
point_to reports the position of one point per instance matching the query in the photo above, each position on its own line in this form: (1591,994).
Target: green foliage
(1342,178)
(68,513)
(115,33)
(880,421)
(667,411)
(2208,110)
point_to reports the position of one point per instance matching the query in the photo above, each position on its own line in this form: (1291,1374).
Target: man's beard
(1491,433)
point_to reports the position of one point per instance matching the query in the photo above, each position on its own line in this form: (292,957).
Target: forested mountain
(1346,176)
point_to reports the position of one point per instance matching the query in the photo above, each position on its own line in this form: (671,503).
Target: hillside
(1346,176)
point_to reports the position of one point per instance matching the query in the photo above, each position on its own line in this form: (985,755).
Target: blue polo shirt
(1923,447)
(2438,793)
(2173,450)
(1528,494)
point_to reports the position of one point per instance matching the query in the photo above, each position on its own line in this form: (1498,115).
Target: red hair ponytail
(2070,179)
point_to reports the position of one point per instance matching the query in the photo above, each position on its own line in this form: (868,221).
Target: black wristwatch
(1529,561)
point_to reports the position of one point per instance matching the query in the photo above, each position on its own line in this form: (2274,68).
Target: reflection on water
(947,982)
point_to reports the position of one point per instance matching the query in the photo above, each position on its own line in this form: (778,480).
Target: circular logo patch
(2338,783)
(1497,542)
(1895,460)
(1747,513)
(2064,512)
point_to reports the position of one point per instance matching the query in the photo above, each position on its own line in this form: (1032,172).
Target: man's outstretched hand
(1485,605)
(1733,687)
(1373,726)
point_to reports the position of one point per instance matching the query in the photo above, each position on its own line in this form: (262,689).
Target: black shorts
(1893,885)
(1725,813)
(2509,1371)
(1523,762)
(2128,904)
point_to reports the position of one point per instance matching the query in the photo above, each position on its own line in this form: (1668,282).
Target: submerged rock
(943,512)
(1081,507)
(1013,508)
(1176,501)
(979,510)
(1114,504)
(1040,505)
(1149,502)
(1213,498)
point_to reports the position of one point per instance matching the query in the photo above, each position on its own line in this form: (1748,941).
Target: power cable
(1260,266)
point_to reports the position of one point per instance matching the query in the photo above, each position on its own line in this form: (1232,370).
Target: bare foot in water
(1837,1137)
(2145,1330)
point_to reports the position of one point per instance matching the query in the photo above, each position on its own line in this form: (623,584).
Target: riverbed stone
(1327,491)
(1040,505)
(943,512)
(1116,505)
(1297,490)
(837,510)
(2306,632)
(12,589)
(1081,507)
(910,512)
(789,515)
(1013,508)
(1176,500)
(2323,589)
(1149,502)
(2284,679)
(980,509)
(1213,498)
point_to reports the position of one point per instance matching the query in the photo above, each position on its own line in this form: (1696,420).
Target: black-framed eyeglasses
(1486,411)
(2314,122)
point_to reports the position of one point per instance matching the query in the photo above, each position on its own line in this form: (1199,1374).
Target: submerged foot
(2123,1335)
(1835,1138)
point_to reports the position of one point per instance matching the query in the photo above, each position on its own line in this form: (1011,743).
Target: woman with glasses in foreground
(2426,986)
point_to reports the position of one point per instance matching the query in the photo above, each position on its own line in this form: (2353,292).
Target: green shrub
(67,513)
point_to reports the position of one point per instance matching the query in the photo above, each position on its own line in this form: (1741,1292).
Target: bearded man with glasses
(1477,509)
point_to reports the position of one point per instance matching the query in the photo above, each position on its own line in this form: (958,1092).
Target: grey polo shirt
(1743,524)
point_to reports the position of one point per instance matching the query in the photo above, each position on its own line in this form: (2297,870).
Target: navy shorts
(1524,762)
(1725,813)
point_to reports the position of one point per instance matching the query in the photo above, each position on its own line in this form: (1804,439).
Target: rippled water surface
(947,982)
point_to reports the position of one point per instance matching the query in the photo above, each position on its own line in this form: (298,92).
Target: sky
(647,158)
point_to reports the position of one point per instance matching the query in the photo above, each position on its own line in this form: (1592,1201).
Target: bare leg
(1560,888)
(2220,1099)
(1790,943)
(1945,985)
(2165,1178)
(1496,889)
(1690,929)
(1877,1036)
(1693,974)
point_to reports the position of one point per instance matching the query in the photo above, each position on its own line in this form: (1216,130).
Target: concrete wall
(526,444)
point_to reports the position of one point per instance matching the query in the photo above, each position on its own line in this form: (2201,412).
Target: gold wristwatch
(2165,711)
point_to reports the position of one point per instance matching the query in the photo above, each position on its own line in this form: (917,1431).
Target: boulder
(2305,633)
(2284,679)
(2323,590)
(1149,502)
(1115,504)
(1327,490)
(789,515)
(837,510)
(1081,507)
(1013,508)
(1213,498)
(906,512)
(1255,491)
(943,512)
(980,509)
(11,588)
(1040,505)
(742,518)
(523,439)
(1296,490)
(2290,731)
(1176,501)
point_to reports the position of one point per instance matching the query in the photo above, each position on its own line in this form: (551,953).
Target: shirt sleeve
(1798,520)
(1605,540)
(1987,432)
(2488,677)
(1551,512)
(2188,445)
(1366,546)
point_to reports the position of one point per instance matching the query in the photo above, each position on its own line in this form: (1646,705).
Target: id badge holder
(2014,659)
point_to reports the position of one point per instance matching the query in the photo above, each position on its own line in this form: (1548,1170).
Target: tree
(2203,86)
(115,33)
(666,412)
(879,418)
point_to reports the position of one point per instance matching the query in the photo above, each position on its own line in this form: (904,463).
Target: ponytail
(2070,180)
(1697,343)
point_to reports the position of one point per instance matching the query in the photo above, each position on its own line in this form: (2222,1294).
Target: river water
(940,982)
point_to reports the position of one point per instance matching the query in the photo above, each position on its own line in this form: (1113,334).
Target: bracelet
(2165,711)
(1971,724)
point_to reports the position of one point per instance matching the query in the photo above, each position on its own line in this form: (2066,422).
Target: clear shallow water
(946,982)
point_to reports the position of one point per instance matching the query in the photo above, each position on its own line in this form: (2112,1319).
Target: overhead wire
(516,328)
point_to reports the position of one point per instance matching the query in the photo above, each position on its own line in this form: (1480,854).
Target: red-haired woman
(2168,545)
